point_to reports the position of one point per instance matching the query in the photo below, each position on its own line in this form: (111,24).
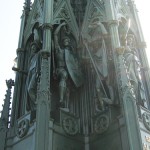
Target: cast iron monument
(82,79)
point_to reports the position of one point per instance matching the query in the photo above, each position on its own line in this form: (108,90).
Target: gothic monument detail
(81,79)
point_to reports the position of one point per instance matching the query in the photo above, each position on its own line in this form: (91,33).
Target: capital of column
(47,26)
(142,45)
(10,83)
(120,50)
(113,22)
(45,54)
(20,50)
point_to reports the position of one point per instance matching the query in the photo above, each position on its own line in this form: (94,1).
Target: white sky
(10,13)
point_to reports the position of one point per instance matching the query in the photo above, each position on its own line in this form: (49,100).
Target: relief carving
(22,128)
(101,124)
(70,125)
(66,64)
(95,45)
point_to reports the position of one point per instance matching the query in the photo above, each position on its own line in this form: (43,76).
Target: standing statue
(134,70)
(67,64)
(96,43)
(33,72)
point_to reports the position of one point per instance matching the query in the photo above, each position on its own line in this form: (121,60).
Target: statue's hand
(85,40)
(64,23)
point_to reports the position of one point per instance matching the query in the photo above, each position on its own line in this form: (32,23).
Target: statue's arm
(100,28)
(56,35)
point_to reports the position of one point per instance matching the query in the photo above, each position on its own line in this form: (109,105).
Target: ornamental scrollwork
(22,128)
(70,125)
(101,124)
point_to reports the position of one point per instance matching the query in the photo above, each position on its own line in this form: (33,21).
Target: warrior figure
(67,64)
(96,43)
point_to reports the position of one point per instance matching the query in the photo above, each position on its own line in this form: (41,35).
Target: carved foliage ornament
(101,124)
(70,125)
(22,128)
(146,120)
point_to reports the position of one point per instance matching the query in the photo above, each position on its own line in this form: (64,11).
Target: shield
(73,68)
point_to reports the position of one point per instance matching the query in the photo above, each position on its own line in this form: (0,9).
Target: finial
(10,83)
(27,5)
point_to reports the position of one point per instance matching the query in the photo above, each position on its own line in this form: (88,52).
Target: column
(20,58)
(42,135)
(142,46)
(127,99)
(17,87)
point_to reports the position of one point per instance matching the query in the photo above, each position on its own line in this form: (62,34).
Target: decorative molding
(113,22)
(47,26)
(20,50)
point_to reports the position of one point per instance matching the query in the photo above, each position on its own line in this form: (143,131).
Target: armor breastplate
(60,58)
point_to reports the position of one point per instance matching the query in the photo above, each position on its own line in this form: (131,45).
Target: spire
(4,119)
(27,6)
(6,106)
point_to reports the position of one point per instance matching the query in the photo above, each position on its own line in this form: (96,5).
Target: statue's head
(94,22)
(130,40)
(66,41)
(35,47)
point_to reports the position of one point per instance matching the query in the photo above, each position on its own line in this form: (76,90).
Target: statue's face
(33,49)
(129,41)
(66,42)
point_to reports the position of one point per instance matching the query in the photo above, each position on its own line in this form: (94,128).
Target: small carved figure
(134,70)
(33,72)
(67,64)
(95,38)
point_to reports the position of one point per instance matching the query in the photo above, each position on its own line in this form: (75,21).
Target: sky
(10,13)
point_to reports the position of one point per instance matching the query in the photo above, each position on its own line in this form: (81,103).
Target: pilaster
(126,95)
(42,136)
(17,89)
(20,58)
(142,46)
(43,105)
